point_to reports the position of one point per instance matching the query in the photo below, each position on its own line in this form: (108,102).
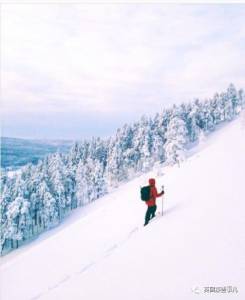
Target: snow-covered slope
(104,252)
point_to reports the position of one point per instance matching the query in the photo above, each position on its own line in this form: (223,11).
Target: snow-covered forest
(41,196)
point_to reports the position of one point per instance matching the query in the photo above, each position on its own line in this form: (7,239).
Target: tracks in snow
(85,267)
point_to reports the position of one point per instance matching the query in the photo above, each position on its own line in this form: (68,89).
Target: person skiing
(151,210)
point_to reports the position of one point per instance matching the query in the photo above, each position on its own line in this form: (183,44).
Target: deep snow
(104,252)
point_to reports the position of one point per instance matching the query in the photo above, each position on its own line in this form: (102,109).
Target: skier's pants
(150,213)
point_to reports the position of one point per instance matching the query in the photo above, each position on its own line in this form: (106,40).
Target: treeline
(39,197)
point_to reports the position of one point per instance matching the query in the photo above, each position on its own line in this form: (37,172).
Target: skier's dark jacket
(154,193)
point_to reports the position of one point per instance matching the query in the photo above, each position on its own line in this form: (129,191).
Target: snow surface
(104,252)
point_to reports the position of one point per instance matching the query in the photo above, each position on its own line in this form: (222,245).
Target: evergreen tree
(176,141)
(233,98)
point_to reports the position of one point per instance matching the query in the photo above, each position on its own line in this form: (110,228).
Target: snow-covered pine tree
(81,185)
(146,158)
(49,210)
(228,108)
(56,182)
(6,198)
(241,101)
(127,151)
(208,120)
(142,145)
(233,98)
(192,127)
(176,141)
(114,162)
(98,182)
(17,216)
(216,110)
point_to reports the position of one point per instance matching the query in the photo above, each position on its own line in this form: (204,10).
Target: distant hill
(17,152)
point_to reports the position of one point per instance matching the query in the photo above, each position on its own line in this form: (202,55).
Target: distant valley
(17,152)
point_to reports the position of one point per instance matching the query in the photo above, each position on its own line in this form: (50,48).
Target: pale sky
(73,71)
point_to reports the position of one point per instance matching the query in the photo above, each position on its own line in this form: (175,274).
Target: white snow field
(104,252)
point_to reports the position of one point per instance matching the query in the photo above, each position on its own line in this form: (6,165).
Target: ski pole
(162,199)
